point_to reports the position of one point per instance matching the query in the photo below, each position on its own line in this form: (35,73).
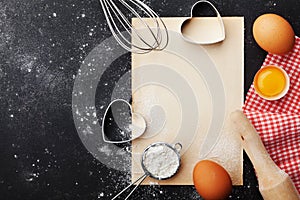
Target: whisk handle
(140,179)
(143,178)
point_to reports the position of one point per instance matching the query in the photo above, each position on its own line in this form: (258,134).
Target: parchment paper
(227,57)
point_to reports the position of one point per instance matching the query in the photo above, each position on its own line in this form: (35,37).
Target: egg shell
(273,34)
(211,180)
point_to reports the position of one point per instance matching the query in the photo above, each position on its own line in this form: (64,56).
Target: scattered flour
(6,28)
(105,149)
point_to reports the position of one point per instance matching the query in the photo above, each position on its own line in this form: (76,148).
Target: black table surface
(42,45)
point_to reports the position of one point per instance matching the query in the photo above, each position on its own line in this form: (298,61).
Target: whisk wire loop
(151,14)
(123,19)
(153,35)
(111,24)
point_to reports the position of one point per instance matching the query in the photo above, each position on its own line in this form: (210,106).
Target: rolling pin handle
(273,182)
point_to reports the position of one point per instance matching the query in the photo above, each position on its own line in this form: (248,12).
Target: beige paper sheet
(228,58)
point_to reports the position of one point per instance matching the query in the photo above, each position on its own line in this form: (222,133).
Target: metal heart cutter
(203,30)
(117,111)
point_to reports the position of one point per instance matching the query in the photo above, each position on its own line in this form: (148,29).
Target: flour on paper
(227,57)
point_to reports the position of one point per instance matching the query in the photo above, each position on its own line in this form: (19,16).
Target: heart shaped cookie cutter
(194,40)
(137,129)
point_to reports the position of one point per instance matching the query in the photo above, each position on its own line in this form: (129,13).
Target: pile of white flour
(161,161)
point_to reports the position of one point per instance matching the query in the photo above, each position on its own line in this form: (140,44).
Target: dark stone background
(42,45)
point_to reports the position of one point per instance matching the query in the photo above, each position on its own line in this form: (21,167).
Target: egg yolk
(270,81)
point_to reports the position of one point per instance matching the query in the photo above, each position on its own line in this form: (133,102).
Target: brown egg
(273,34)
(211,180)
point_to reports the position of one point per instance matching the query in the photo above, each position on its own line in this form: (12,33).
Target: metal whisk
(153,34)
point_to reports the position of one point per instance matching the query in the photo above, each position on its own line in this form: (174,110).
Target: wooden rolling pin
(274,184)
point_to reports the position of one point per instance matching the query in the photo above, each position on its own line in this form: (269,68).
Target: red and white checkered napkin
(278,122)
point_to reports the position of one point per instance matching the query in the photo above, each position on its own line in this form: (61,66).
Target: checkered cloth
(278,122)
